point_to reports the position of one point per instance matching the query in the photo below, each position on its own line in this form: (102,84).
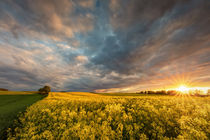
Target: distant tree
(3,89)
(150,92)
(208,93)
(171,92)
(44,90)
(158,92)
(163,92)
(142,92)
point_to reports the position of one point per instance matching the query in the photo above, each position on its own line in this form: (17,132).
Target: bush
(44,90)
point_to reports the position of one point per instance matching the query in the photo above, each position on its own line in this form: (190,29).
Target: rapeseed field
(94,116)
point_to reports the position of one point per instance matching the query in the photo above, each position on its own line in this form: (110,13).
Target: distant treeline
(161,92)
(3,89)
(174,92)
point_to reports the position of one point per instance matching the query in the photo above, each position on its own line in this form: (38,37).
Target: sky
(104,45)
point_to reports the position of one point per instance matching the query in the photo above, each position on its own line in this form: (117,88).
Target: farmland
(11,103)
(79,115)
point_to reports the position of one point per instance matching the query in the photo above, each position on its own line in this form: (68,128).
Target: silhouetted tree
(208,93)
(171,92)
(45,90)
(3,89)
(150,92)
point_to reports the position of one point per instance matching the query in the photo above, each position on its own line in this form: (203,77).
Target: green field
(11,104)
(80,115)
(17,92)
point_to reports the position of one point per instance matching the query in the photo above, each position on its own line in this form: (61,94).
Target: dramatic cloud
(113,45)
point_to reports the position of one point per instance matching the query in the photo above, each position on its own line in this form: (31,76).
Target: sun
(183,89)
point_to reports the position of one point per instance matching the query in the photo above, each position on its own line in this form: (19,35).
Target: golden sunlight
(183,89)
(192,90)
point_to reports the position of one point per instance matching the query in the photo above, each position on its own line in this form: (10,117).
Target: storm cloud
(104,46)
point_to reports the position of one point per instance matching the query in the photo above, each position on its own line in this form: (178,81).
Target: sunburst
(183,89)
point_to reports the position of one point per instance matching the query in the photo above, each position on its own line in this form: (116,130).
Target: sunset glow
(105,69)
(183,89)
(107,46)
